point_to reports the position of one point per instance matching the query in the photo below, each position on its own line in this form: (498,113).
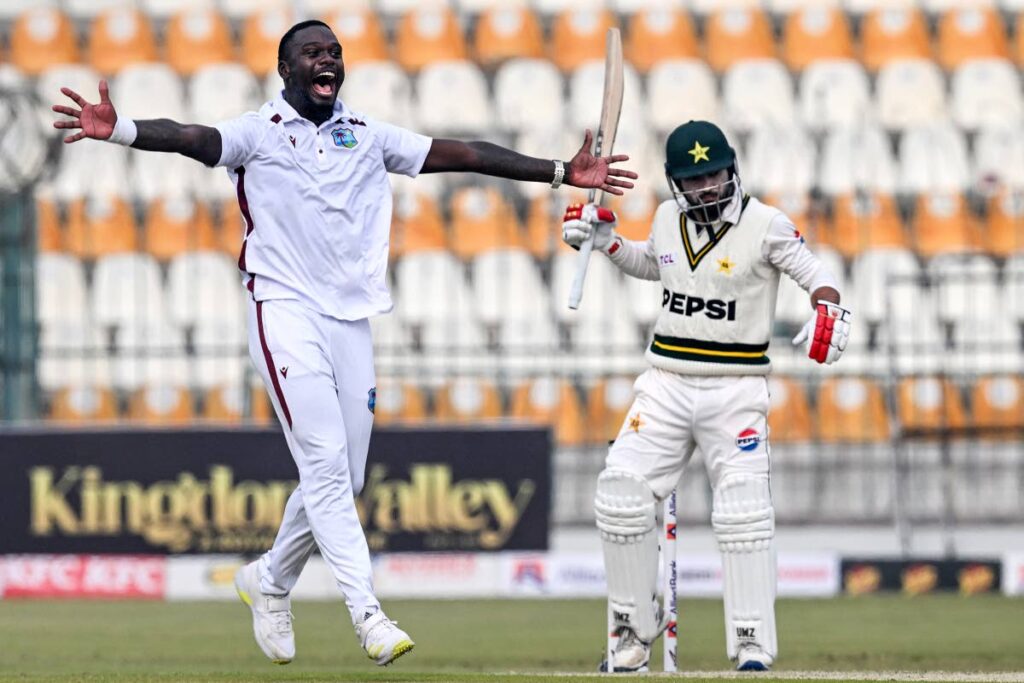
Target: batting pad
(625,509)
(744,523)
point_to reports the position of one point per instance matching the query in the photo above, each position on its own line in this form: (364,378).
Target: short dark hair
(282,47)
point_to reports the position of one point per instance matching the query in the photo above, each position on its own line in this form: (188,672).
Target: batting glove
(826,333)
(580,220)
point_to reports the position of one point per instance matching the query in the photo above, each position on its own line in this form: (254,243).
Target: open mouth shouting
(325,85)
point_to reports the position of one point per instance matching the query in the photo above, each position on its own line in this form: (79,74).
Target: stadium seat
(999,160)
(874,273)
(890,34)
(548,401)
(163,10)
(970,33)
(429,285)
(149,91)
(118,38)
(1013,274)
(608,402)
(598,326)
(578,37)
(261,33)
(12,9)
(987,94)
(527,94)
(734,35)
(220,343)
(634,211)
(587,80)
(910,94)
(127,290)
(657,34)
(793,304)
(149,354)
(399,402)
(851,409)
(758,93)
(789,413)
(929,405)
(965,285)
(467,399)
(83,404)
(79,77)
(1003,234)
(361,35)
(60,294)
(857,159)
(40,38)
(72,351)
(865,221)
(481,221)
(224,404)
(222,91)
(549,143)
(379,89)
(779,160)
(417,226)
(391,337)
(667,79)
(943,223)
(203,285)
(997,403)
(175,226)
(834,93)
(49,235)
(816,33)
(99,226)
(453,99)
(507,32)
(197,37)
(428,34)
(1019,40)
(544,224)
(507,285)
(934,159)
(161,405)
(162,176)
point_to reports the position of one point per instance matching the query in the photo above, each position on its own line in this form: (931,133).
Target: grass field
(494,640)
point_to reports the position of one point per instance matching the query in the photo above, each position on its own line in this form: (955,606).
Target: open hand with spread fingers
(95,120)
(586,170)
(826,333)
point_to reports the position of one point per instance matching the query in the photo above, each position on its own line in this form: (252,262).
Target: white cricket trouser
(726,417)
(319,373)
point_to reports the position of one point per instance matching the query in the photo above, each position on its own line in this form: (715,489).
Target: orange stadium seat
(229,228)
(892,34)
(468,399)
(507,32)
(399,401)
(163,405)
(551,402)
(224,403)
(261,34)
(50,237)
(635,211)
(577,37)
(100,226)
(816,33)
(360,34)
(544,221)
(865,221)
(416,225)
(851,410)
(83,404)
(657,34)
(174,226)
(608,402)
(735,34)
(40,38)
(789,415)
(997,402)
(1004,231)
(426,35)
(929,404)
(197,37)
(943,223)
(119,37)
(482,220)
(970,33)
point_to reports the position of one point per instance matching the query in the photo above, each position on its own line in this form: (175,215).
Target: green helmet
(696,148)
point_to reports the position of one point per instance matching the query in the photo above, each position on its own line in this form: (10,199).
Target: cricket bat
(611,106)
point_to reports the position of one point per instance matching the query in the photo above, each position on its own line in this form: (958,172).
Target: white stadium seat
(378,89)
(89,9)
(986,93)
(709,6)
(549,143)
(679,90)
(452,99)
(794,304)
(871,273)
(857,159)
(910,93)
(72,353)
(60,289)
(1013,274)
(164,9)
(779,160)
(222,91)
(168,176)
(81,78)
(150,353)
(76,171)
(757,93)
(239,9)
(204,286)
(126,290)
(834,94)
(966,286)
(507,285)
(23,147)
(221,351)
(528,94)
(390,335)
(429,286)
(933,159)
(587,80)
(11,9)
(149,91)
(999,158)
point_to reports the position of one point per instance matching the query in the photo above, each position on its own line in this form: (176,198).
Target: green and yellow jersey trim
(681,348)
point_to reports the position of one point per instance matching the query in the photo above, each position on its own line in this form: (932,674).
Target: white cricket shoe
(753,658)
(383,641)
(271,616)
(631,655)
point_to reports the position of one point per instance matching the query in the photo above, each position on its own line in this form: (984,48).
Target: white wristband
(125,131)
(559,174)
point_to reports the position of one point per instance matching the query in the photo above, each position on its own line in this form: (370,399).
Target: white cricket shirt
(317,204)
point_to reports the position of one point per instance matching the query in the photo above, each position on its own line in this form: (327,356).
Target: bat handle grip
(582,260)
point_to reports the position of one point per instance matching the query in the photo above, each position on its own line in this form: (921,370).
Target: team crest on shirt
(747,440)
(344,137)
(371,400)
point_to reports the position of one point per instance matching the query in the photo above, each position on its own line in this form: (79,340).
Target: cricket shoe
(271,616)
(631,655)
(383,641)
(753,658)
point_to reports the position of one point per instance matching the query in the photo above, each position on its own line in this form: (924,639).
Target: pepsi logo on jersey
(748,439)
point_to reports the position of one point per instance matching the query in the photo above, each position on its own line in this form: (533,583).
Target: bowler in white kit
(312,184)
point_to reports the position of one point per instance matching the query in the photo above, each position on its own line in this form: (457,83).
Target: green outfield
(484,640)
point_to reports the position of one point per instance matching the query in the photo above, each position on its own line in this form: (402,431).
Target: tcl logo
(82,576)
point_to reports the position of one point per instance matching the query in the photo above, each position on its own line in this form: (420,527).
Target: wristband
(559,174)
(125,132)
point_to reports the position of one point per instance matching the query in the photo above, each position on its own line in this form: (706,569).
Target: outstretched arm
(584,170)
(98,121)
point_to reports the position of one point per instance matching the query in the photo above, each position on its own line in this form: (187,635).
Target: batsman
(718,253)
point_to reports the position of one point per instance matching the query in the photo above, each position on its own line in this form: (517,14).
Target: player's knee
(624,505)
(742,511)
